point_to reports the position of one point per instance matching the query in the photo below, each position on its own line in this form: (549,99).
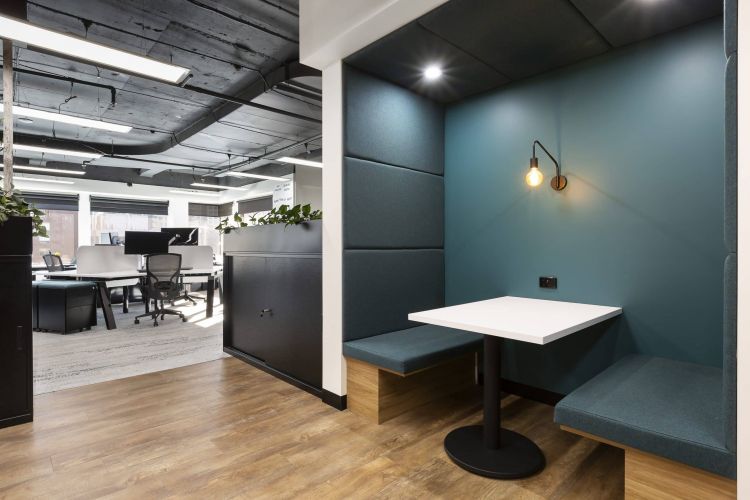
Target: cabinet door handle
(266,311)
(19,338)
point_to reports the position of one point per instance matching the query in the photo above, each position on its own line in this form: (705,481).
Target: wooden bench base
(649,477)
(379,394)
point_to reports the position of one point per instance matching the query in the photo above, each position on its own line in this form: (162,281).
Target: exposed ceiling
(248,100)
(483,44)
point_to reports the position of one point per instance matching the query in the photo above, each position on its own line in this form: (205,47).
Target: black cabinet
(273,301)
(16,396)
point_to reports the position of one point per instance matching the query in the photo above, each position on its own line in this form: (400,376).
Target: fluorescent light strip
(186,192)
(35,179)
(214,186)
(76,47)
(258,176)
(30,168)
(300,161)
(55,151)
(72,120)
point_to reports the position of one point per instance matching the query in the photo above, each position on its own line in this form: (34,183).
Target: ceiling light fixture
(31,168)
(79,48)
(56,151)
(258,176)
(36,179)
(433,72)
(300,161)
(535,177)
(69,119)
(215,186)
(188,192)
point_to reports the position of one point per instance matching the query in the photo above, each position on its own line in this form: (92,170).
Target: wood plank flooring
(223,429)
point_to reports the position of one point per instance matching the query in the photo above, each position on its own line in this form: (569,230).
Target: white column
(334,368)
(743,254)
(178,213)
(84,219)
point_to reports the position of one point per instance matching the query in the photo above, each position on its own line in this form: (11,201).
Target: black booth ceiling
(483,44)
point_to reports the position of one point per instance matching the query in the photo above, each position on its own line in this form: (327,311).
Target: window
(103,223)
(206,217)
(62,231)
(117,215)
(207,235)
(61,220)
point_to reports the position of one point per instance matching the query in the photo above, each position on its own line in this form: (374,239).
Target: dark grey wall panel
(381,287)
(730,159)
(389,124)
(730,351)
(391,207)
(730,26)
(627,21)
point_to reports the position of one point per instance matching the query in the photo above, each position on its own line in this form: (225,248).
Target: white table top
(518,318)
(113,275)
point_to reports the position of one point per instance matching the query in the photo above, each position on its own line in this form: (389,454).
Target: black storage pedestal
(16,395)
(273,301)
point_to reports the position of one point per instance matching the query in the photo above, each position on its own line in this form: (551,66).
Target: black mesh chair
(162,283)
(53,262)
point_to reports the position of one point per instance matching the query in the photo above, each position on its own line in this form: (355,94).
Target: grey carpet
(99,355)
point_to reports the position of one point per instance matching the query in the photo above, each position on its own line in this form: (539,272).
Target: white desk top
(517,318)
(114,275)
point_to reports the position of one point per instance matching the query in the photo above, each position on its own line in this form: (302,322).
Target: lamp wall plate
(558,182)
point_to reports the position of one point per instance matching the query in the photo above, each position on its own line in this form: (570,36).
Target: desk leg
(221,290)
(109,317)
(488,449)
(125,298)
(210,297)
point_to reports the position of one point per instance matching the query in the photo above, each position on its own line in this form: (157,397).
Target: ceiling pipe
(267,156)
(69,79)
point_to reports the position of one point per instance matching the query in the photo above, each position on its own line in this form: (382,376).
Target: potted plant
(282,229)
(19,222)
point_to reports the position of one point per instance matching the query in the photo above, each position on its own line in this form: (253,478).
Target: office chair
(162,283)
(53,262)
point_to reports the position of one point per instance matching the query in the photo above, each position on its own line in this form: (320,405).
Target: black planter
(15,236)
(16,400)
(273,300)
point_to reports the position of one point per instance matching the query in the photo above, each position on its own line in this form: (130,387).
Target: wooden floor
(223,429)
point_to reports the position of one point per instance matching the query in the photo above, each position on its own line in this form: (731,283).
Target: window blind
(52,201)
(203,210)
(126,206)
(256,205)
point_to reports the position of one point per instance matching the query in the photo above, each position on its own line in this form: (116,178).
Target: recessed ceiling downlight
(433,72)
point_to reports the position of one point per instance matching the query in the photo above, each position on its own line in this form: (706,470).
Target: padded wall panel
(391,207)
(730,351)
(730,26)
(389,124)
(381,287)
(730,159)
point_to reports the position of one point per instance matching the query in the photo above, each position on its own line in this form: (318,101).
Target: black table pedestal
(489,450)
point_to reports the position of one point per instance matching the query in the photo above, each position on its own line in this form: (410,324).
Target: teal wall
(640,135)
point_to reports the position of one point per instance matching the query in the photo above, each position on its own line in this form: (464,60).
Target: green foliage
(12,205)
(282,215)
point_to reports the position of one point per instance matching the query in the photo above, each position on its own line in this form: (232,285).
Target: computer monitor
(145,242)
(182,235)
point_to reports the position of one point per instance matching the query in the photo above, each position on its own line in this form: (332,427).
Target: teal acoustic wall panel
(640,135)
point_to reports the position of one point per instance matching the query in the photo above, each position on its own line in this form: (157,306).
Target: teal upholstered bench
(390,373)
(656,409)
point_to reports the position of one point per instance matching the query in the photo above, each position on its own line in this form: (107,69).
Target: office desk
(490,450)
(127,278)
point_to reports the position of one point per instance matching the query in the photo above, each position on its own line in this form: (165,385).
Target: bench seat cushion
(405,351)
(668,408)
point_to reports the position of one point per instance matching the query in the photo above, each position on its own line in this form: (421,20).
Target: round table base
(517,457)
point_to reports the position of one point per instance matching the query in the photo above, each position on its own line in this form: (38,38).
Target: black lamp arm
(533,155)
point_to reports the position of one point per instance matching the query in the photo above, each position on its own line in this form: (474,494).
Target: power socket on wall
(548,282)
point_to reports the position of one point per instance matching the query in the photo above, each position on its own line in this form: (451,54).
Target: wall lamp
(535,176)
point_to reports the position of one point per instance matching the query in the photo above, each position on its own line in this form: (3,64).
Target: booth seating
(393,262)
(676,421)
(65,306)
